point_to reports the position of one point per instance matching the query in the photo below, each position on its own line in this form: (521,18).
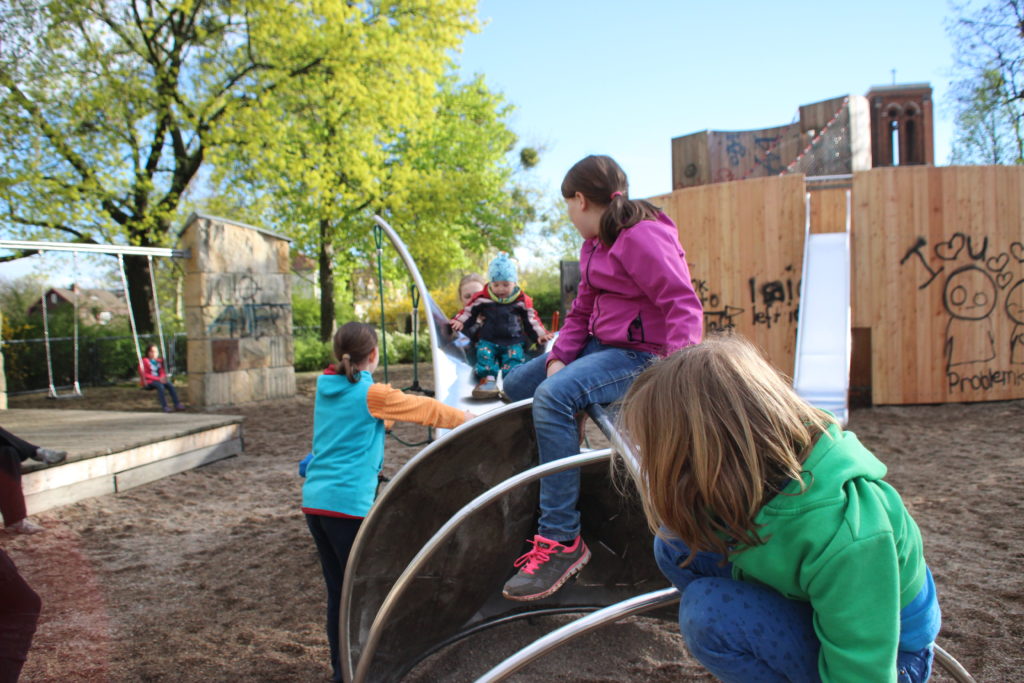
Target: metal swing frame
(108,249)
(76,388)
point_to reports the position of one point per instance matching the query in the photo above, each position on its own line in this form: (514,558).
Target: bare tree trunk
(326,258)
(136,269)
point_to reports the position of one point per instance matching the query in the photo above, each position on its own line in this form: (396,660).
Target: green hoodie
(849,547)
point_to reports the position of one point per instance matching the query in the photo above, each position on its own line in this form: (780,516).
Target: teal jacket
(849,547)
(348,449)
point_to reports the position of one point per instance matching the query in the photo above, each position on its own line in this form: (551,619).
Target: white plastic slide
(821,374)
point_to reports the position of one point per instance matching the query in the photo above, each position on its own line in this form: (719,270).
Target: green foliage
(529,157)
(400,347)
(305,313)
(311,354)
(989,86)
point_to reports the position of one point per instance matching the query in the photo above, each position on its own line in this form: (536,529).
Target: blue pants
(160,388)
(747,632)
(333,537)
(491,357)
(601,374)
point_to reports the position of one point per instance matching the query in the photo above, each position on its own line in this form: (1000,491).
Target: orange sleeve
(391,405)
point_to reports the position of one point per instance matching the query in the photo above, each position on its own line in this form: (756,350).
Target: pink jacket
(146,372)
(635,295)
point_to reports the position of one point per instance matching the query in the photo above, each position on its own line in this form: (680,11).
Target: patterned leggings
(491,357)
(749,633)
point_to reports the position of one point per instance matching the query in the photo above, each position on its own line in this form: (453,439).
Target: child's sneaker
(486,388)
(179,407)
(50,456)
(25,526)
(543,570)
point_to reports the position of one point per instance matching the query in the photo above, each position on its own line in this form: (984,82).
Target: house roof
(99,298)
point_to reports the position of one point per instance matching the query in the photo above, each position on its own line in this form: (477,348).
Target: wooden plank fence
(937,273)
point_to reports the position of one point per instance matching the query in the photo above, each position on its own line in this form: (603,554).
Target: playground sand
(211,574)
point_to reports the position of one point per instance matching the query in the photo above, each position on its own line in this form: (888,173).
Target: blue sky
(625,78)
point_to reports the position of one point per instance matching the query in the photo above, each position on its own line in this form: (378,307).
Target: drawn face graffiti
(1015,303)
(970,294)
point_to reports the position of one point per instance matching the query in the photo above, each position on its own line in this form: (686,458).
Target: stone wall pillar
(238,313)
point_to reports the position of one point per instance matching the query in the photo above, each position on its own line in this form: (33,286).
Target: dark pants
(161,387)
(333,537)
(13,451)
(19,612)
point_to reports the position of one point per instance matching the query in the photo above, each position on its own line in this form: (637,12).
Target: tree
(989,90)
(436,161)
(110,107)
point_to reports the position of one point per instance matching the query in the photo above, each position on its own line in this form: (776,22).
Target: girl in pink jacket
(635,302)
(154,376)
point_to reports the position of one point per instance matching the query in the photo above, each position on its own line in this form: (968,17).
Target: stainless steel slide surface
(453,373)
(458,590)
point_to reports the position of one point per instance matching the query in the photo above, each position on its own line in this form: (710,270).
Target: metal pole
(52,393)
(75,286)
(156,312)
(94,248)
(434,544)
(591,622)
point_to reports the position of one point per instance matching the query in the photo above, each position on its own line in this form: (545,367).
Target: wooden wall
(937,270)
(744,244)
(938,276)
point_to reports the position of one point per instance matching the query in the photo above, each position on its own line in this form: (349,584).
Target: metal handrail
(583,625)
(431,546)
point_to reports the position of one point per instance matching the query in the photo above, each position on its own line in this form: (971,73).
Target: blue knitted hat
(502,269)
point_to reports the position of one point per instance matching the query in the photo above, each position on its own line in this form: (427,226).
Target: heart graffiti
(947,251)
(997,263)
(1017,249)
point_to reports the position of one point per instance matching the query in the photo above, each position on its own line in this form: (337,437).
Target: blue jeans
(744,631)
(160,388)
(601,374)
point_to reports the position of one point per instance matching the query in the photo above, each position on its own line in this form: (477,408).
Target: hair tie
(616,194)
(345,356)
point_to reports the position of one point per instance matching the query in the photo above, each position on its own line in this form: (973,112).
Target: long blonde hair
(718,432)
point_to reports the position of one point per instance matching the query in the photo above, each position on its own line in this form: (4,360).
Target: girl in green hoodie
(796,561)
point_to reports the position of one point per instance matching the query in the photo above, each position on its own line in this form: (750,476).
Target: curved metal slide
(432,555)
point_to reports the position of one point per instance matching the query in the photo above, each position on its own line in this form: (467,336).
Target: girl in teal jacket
(796,561)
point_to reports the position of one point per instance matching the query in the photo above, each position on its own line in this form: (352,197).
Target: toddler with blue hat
(502,320)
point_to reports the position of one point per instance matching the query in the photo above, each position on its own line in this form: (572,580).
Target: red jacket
(146,371)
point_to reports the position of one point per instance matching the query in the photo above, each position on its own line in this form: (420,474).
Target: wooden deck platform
(115,451)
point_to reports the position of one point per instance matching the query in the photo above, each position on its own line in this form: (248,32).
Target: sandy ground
(211,574)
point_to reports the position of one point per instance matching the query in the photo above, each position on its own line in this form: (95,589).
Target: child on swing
(635,302)
(349,418)
(796,561)
(154,376)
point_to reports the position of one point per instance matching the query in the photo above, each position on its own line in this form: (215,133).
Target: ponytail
(623,213)
(602,181)
(353,344)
